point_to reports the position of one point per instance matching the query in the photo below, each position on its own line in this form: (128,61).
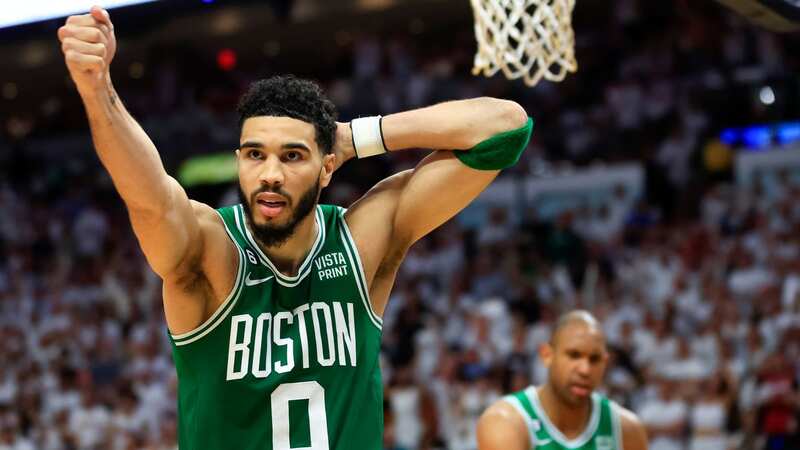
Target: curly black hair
(289,96)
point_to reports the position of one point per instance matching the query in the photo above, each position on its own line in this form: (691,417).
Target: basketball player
(274,305)
(565,412)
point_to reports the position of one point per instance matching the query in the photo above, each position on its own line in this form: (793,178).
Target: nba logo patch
(604,443)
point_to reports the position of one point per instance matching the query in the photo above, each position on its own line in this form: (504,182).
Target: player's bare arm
(634,434)
(176,235)
(406,206)
(501,428)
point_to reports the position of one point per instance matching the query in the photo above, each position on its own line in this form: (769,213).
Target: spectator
(666,418)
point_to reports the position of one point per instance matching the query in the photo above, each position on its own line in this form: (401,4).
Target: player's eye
(255,154)
(293,156)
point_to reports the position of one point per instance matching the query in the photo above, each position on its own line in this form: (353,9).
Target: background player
(565,412)
(238,297)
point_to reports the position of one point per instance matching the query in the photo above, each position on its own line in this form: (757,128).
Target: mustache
(271,189)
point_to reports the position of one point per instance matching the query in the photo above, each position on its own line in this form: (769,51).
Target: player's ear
(328,166)
(606,358)
(546,354)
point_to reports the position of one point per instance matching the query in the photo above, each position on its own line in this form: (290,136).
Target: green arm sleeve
(499,151)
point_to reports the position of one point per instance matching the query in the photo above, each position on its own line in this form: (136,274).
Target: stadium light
(766,95)
(30,11)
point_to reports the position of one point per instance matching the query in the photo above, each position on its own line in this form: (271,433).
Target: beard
(270,235)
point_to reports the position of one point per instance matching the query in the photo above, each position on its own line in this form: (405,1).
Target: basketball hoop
(528,39)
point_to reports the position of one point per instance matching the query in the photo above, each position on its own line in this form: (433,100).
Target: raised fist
(89,45)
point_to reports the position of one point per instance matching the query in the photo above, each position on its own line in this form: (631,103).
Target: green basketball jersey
(287,362)
(603,431)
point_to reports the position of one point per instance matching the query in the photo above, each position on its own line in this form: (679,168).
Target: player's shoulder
(634,433)
(504,409)
(202,210)
(206,215)
(379,204)
(368,217)
(501,427)
(212,225)
(627,417)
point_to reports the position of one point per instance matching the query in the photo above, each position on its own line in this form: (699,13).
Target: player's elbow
(514,114)
(496,116)
(508,114)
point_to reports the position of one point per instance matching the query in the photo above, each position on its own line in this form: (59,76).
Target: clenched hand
(89,45)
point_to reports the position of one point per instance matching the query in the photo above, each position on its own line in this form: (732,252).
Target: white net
(529,39)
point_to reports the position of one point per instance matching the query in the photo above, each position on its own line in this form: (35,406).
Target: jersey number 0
(317,418)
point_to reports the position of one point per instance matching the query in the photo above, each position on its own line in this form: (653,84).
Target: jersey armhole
(355,261)
(513,401)
(616,425)
(222,311)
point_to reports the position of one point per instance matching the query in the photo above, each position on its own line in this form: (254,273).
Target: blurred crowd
(702,319)
(696,281)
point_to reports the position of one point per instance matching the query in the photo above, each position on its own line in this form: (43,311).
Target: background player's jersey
(285,362)
(603,431)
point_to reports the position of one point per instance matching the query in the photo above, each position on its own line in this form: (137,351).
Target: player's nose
(271,171)
(583,368)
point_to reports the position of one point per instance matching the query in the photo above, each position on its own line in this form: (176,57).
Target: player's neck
(290,255)
(571,421)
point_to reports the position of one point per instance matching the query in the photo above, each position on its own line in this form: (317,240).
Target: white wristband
(367,136)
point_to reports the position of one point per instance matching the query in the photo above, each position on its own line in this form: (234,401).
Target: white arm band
(367,136)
